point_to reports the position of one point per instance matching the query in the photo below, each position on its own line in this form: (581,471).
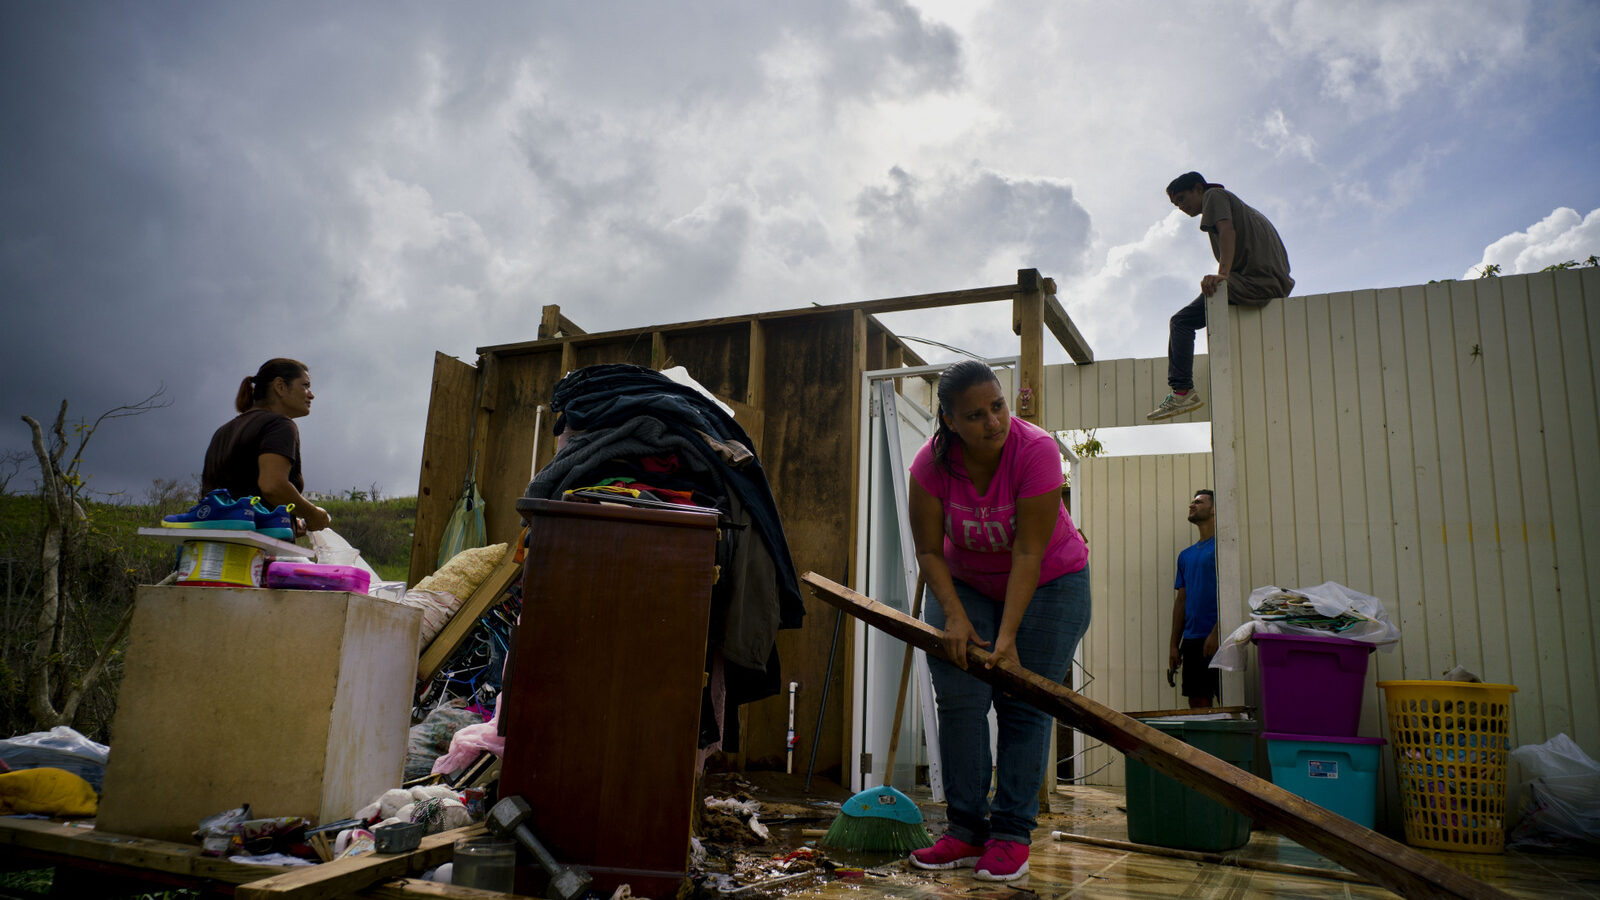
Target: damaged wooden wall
(793,378)
(792,381)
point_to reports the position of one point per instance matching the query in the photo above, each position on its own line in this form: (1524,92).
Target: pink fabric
(470,742)
(979,529)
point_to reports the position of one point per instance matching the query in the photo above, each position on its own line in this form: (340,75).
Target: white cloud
(1122,307)
(1377,53)
(1561,236)
(1276,134)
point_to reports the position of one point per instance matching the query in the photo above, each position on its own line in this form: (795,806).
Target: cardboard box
(295,702)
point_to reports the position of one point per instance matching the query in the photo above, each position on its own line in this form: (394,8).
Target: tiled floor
(1060,869)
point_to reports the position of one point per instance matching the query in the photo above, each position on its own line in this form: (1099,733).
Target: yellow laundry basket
(1451,741)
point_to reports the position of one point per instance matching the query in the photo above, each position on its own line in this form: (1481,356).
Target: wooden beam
(549,322)
(755,382)
(908,356)
(444,644)
(1387,862)
(68,845)
(552,324)
(887,305)
(1027,320)
(658,351)
(569,357)
(1060,325)
(343,877)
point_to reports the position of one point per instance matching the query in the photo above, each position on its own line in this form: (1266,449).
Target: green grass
(110,560)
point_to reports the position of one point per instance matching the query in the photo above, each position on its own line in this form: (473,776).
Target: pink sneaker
(1002,861)
(948,853)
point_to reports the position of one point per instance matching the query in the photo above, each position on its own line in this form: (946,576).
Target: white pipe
(538,426)
(793,686)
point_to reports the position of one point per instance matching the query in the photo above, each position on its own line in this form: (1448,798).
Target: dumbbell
(509,817)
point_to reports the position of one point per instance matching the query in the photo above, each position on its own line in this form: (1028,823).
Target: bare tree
(54,688)
(11,462)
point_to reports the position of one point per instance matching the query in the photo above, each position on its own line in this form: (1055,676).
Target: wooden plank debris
(1387,862)
(63,841)
(455,631)
(346,876)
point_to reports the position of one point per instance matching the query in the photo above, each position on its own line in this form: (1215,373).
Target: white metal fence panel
(1435,446)
(1135,517)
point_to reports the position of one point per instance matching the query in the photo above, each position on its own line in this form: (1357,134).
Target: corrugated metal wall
(1135,512)
(1436,446)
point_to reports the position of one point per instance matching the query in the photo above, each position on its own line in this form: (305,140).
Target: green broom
(878,820)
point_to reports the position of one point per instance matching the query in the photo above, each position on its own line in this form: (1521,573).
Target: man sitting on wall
(1250,260)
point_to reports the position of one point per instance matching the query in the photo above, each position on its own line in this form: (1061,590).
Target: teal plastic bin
(1339,774)
(1165,813)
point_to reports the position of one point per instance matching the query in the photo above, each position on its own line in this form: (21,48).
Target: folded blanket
(46,792)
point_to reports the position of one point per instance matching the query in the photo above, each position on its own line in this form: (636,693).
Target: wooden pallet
(1387,862)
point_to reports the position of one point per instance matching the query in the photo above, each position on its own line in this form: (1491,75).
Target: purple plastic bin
(1311,685)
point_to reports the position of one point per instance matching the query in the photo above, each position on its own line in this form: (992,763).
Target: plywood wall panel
(717,358)
(444,459)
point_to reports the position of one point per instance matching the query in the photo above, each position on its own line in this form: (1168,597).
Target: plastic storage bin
(1339,774)
(1451,741)
(1311,685)
(1166,813)
(302,576)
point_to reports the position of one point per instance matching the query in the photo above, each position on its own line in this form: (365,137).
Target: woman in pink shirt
(1010,572)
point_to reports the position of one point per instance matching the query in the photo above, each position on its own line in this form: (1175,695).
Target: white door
(896,427)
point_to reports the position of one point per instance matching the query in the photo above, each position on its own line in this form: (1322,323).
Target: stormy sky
(188,188)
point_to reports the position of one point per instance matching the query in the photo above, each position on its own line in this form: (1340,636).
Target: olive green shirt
(1260,267)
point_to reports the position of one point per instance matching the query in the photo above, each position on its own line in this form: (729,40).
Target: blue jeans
(1052,625)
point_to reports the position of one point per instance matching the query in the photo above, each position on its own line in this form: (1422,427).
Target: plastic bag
(1560,806)
(333,549)
(59,748)
(1329,599)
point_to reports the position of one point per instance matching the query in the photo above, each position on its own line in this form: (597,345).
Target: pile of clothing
(635,430)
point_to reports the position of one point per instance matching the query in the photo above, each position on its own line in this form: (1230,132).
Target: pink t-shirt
(978,530)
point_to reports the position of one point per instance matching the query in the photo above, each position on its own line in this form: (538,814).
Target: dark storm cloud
(189,189)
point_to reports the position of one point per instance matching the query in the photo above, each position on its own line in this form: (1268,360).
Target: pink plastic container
(300,576)
(1311,685)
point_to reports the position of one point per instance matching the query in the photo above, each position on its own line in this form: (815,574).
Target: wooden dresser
(602,699)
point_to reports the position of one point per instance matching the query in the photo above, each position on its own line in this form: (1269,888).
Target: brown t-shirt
(1260,267)
(231,460)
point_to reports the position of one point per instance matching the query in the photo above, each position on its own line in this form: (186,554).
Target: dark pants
(1257,291)
(1199,679)
(1180,344)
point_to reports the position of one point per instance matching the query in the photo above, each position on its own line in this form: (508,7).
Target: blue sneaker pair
(275,523)
(218,510)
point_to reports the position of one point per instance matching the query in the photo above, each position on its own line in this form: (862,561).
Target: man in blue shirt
(1194,610)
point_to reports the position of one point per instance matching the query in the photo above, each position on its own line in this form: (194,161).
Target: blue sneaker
(215,510)
(276,523)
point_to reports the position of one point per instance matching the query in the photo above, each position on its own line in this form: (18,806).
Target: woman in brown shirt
(257,453)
